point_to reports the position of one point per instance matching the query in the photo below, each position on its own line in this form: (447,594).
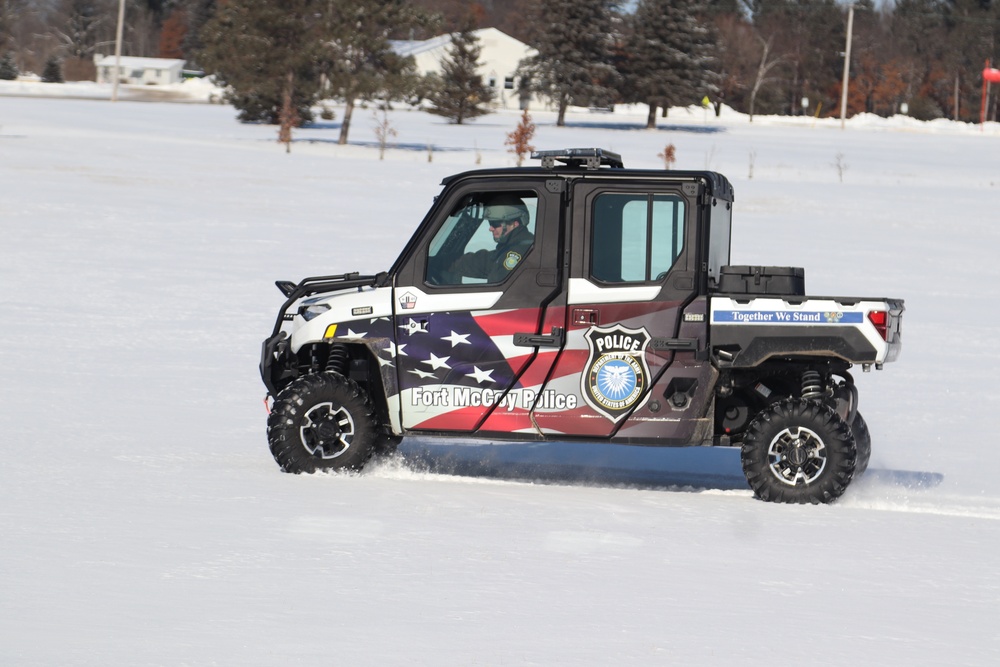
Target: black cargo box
(776,280)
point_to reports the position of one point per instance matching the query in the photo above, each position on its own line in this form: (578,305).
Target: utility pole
(118,50)
(956,97)
(847,66)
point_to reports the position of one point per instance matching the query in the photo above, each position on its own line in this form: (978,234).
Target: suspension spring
(337,361)
(812,385)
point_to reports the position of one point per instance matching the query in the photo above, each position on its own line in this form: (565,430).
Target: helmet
(506,208)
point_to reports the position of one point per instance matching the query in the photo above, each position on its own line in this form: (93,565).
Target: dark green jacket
(495,265)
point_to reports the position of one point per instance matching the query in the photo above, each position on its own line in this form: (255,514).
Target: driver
(508,219)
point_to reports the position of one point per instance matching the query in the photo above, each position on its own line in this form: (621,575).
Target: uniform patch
(616,376)
(511,260)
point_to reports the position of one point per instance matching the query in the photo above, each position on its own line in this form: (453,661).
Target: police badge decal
(616,375)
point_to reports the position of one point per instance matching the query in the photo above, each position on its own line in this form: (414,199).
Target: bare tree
(83,27)
(288,117)
(767,63)
(11,12)
(384,132)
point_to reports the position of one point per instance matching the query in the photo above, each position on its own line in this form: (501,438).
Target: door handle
(555,339)
(674,344)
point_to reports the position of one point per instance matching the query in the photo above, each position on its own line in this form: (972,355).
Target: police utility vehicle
(579,300)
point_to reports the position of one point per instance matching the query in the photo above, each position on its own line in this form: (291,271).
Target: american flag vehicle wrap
(579,300)
(462,371)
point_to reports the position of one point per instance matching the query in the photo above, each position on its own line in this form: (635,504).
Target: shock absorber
(337,361)
(812,385)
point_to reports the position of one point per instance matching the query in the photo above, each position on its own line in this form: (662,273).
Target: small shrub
(8,68)
(840,165)
(384,131)
(924,108)
(519,140)
(53,71)
(669,156)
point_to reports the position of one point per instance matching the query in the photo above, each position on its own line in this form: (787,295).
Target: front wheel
(798,451)
(321,422)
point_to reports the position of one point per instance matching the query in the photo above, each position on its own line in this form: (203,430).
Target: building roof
(417,47)
(132,62)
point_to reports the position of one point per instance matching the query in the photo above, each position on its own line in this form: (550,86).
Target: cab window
(635,237)
(484,239)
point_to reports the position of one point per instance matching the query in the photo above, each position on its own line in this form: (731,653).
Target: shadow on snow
(393,146)
(631,127)
(690,469)
(584,464)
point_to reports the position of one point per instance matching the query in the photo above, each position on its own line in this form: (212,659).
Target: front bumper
(277,362)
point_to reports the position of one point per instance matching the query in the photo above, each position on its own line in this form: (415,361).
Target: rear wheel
(798,451)
(321,422)
(863,441)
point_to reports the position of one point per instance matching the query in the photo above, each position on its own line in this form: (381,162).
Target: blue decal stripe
(785,317)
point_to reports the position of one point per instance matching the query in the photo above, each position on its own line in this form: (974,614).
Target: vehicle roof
(718,185)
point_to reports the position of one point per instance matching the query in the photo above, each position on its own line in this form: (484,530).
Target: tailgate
(746,331)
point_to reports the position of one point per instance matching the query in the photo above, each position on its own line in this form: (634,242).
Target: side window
(635,237)
(720,232)
(484,238)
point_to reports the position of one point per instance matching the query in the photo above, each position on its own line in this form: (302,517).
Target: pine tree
(265,52)
(357,59)
(52,72)
(574,44)
(668,56)
(199,12)
(8,68)
(461,93)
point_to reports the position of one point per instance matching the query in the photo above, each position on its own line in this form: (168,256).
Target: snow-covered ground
(143,521)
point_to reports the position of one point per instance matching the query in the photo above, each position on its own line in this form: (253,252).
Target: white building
(498,60)
(139,71)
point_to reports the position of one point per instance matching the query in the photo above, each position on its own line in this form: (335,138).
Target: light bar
(591,158)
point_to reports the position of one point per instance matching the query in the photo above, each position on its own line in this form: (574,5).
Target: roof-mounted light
(589,158)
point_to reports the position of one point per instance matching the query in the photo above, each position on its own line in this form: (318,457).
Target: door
(470,307)
(632,272)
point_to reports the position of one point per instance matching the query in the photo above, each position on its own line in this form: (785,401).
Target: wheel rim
(327,431)
(797,456)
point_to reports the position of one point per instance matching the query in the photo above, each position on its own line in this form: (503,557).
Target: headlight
(313,310)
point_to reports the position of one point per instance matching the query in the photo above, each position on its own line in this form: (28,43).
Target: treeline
(758,56)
